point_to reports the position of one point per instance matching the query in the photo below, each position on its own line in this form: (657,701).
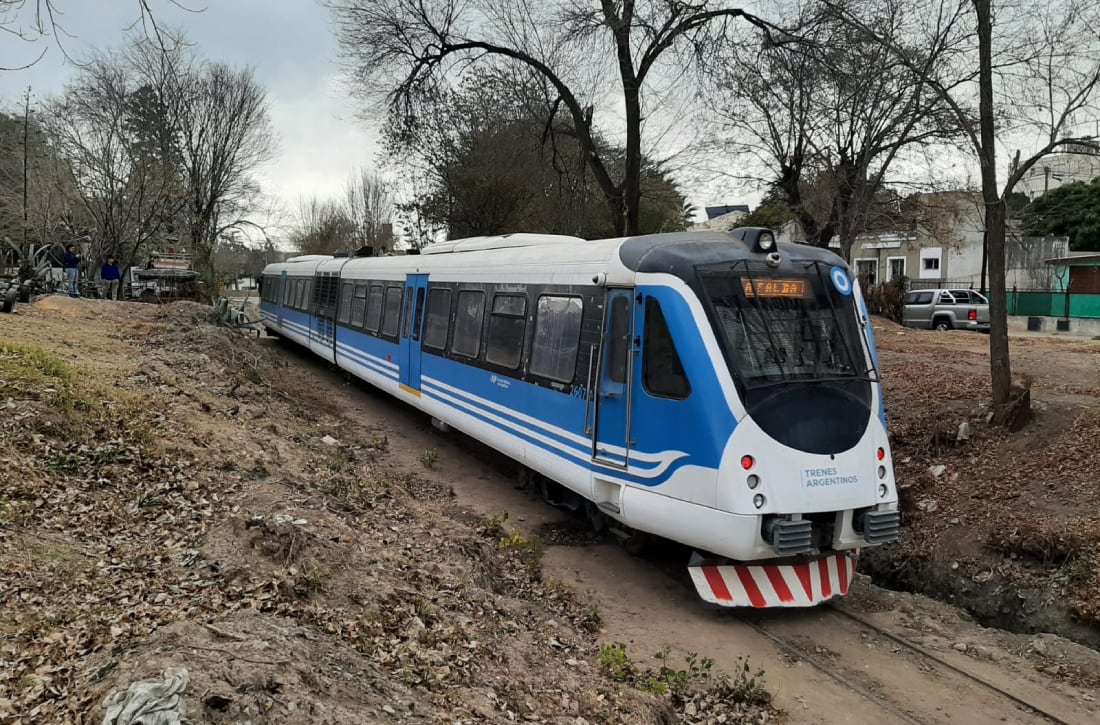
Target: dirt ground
(175,495)
(1005,524)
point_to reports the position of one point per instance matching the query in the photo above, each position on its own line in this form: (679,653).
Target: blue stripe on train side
(553,420)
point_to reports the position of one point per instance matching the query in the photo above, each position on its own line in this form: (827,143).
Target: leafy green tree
(498,156)
(1072,210)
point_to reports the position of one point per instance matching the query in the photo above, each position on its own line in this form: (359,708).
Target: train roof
(677,253)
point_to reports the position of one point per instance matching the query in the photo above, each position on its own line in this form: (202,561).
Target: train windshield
(781,326)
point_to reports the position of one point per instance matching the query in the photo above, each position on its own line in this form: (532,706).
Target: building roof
(716,211)
(1073,259)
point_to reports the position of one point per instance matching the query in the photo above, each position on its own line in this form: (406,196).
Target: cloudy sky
(288,42)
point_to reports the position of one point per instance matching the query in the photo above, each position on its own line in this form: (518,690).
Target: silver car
(946,309)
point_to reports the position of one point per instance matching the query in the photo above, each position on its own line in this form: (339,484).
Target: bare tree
(1034,72)
(31,21)
(369,207)
(225,137)
(322,227)
(826,118)
(126,195)
(405,50)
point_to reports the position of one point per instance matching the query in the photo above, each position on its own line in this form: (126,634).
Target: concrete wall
(1078,327)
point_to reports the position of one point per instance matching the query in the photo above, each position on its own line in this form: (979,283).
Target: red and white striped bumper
(775,585)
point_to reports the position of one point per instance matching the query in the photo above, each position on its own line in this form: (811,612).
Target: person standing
(109,273)
(71,263)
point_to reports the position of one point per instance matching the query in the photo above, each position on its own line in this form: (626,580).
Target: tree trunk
(632,165)
(994,237)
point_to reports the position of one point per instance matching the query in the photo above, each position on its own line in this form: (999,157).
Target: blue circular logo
(841,280)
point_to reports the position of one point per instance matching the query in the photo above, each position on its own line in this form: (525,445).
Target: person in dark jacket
(109,273)
(71,263)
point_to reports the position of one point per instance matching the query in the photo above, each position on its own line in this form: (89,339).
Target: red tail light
(880,454)
(972,315)
(747,462)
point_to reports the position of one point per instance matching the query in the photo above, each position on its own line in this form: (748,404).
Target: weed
(591,620)
(429,458)
(529,548)
(746,686)
(379,442)
(616,663)
(493,526)
(310,579)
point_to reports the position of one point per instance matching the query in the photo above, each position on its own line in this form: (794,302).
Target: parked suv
(946,309)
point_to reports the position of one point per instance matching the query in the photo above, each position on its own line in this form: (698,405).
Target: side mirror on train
(761,239)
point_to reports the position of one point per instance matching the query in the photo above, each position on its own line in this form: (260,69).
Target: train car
(716,388)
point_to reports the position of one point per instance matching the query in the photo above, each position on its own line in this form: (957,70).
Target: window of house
(391,312)
(897,268)
(468,315)
(867,269)
(374,308)
(662,373)
(557,337)
(931,263)
(345,303)
(507,324)
(439,318)
(359,307)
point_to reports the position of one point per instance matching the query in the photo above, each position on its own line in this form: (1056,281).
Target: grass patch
(698,675)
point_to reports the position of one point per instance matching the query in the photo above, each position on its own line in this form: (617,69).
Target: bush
(887,299)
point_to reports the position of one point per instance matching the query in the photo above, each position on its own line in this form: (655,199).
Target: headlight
(766,242)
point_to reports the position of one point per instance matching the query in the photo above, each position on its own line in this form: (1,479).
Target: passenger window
(359,308)
(618,339)
(439,317)
(468,316)
(557,337)
(662,373)
(391,312)
(925,298)
(374,308)
(345,303)
(507,324)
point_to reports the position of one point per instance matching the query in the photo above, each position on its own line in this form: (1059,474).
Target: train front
(808,462)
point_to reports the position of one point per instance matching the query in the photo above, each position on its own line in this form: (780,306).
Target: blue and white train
(717,389)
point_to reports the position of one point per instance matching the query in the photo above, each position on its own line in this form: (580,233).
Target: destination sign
(775,287)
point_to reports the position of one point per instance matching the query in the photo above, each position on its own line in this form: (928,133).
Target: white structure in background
(720,218)
(1079,163)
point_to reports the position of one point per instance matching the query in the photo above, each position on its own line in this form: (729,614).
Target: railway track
(795,634)
(793,648)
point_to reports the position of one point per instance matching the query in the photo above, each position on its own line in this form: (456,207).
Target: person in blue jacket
(71,263)
(109,273)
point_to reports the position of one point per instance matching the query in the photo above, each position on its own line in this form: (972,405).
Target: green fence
(1052,304)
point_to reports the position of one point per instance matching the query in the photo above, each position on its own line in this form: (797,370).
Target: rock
(964,432)
(1053,670)
(954,521)
(928,505)
(1039,646)
(388,710)
(572,662)
(960,646)
(330,441)
(937,470)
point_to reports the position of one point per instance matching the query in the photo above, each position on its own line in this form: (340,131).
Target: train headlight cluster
(753,480)
(758,500)
(882,490)
(882,471)
(765,242)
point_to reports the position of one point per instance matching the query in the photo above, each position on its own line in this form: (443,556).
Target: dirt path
(647,607)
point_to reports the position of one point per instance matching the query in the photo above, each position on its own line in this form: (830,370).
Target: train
(716,389)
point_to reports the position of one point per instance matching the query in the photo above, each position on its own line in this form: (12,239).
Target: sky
(289,43)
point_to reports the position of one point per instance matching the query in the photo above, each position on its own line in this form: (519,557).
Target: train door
(280,297)
(412,322)
(323,314)
(611,430)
